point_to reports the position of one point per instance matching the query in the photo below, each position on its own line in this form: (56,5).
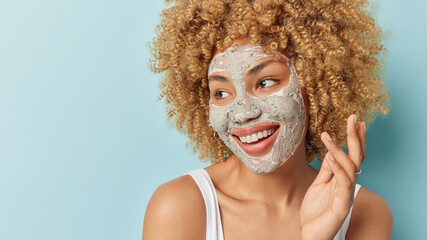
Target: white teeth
(256,136)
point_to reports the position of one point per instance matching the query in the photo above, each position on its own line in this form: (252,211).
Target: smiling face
(256,106)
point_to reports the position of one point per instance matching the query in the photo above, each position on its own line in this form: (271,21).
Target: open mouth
(256,140)
(258,136)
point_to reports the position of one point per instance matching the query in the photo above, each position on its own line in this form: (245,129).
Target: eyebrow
(217,78)
(261,66)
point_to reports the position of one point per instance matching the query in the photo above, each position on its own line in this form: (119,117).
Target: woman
(261,88)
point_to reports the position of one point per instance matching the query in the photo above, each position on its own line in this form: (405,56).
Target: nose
(245,112)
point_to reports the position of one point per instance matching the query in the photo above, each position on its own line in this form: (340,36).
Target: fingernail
(364,126)
(331,157)
(355,121)
(328,137)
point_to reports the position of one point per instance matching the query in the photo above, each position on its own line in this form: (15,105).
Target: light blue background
(84,142)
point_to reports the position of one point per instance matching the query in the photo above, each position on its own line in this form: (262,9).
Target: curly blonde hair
(335,46)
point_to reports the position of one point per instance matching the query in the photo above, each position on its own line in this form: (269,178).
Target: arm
(175,211)
(371,217)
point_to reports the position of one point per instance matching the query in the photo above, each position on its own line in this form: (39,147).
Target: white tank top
(213,216)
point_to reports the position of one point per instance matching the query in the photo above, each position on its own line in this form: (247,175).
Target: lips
(258,139)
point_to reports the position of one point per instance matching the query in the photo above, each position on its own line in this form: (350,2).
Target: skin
(294,202)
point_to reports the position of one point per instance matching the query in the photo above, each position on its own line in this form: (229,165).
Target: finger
(361,132)
(343,181)
(339,155)
(353,141)
(325,173)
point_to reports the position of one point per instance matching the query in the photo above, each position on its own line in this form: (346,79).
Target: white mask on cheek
(284,107)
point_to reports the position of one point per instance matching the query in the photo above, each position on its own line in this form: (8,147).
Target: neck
(286,185)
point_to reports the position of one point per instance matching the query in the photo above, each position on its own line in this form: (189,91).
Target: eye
(265,83)
(221,94)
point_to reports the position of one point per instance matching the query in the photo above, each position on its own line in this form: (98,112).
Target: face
(256,106)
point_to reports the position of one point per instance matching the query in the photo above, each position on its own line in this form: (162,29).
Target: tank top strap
(213,217)
(343,230)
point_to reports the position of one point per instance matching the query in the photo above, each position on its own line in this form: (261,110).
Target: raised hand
(328,200)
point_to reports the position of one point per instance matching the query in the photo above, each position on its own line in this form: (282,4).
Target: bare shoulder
(371,217)
(175,211)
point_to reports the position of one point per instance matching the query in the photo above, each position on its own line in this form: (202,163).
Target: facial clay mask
(284,107)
